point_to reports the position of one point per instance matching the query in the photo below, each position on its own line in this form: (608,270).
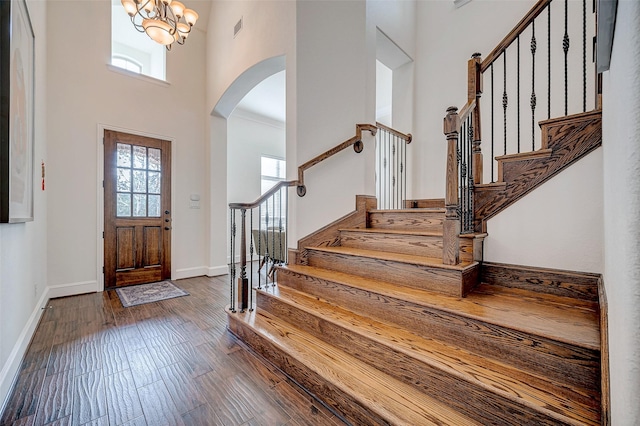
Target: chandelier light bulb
(148,6)
(165,21)
(190,16)
(178,9)
(130,7)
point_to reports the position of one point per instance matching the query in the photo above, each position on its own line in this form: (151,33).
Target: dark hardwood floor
(91,361)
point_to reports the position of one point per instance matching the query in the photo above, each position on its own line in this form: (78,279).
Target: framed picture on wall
(17,57)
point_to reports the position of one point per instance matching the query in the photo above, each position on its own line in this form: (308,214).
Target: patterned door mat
(148,293)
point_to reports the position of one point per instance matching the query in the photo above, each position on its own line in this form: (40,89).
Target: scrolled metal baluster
(565,48)
(286,225)
(518,90)
(260,246)
(584,55)
(505,100)
(533,102)
(250,261)
(549,61)
(492,138)
(232,260)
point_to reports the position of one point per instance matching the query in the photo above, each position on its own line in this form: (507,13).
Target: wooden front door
(137,216)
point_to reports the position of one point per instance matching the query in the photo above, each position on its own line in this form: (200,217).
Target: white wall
(23,265)
(558,225)
(84,93)
(250,136)
(268,32)
(621,162)
(335,90)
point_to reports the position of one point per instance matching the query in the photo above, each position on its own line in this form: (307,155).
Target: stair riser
(445,281)
(429,246)
(468,398)
(418,221)
(566,364)
(324,390)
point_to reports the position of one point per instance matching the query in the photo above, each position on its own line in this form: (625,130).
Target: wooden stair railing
(272,208)
(465,161)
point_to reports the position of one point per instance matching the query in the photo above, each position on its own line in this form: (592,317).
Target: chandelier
(165,21)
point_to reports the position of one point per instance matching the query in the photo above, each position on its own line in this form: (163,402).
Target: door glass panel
(139,181)
(124,155)
(138,171)
(139,157)
(124,180)
(154,159)
(154,206)
(154,182)
(139,205)
(124,205)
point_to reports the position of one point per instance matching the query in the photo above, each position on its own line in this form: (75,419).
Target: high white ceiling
(267,99)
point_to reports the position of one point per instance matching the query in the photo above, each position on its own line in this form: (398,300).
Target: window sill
(138,76)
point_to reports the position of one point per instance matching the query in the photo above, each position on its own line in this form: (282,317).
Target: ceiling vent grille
(237,27)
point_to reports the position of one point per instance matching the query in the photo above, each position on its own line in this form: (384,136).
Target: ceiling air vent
(237,27)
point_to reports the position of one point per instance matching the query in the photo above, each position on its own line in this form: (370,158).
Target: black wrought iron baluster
(534,46)
(250,261)
(273,238)
(280,256)
(286,224)
(267,253)
(462,135)
(232,259)
(565,48)
(389,171)
(549,61)
(518,89)
(505,100)
(378,168)
(404,186)
(260,246)
(394,170)
(584,55)
(470,183)
(243,282)
(492,115)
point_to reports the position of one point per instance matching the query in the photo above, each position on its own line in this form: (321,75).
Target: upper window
(274,211)
(132,50)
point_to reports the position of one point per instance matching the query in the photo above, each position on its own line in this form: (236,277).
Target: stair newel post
(451,249)
(243,282)
(474,93)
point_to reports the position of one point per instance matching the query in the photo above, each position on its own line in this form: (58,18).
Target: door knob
(167,212)
(166,228)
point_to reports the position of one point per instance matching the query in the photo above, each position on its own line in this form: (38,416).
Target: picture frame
(17,80)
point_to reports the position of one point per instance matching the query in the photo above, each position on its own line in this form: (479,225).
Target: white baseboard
(190,272)
(217,270)
(10,368)
(72,289)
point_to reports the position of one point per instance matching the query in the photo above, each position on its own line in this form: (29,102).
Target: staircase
(375,326)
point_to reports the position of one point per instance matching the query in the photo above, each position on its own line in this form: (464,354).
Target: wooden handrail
(264,196)
(300,182)
(407,137)
(318,159)
(466,110)
(515,32)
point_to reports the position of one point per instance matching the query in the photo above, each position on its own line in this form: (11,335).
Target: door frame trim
(100,191)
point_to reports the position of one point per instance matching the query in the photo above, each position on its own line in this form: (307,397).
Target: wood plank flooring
(91,361)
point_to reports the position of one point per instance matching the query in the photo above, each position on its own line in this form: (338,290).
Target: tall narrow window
(273,170)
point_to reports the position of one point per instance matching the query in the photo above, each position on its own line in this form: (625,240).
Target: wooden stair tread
(505,380)
(416,210)
(522,156)
(393,400)
(395,257)
(394,231)
(562,323)
(552,299)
